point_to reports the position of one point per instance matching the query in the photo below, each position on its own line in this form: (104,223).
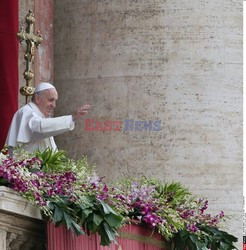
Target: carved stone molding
(21,224)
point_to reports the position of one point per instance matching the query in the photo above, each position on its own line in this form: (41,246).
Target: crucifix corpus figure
(31,40)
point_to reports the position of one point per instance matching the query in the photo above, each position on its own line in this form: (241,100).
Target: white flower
(2,157)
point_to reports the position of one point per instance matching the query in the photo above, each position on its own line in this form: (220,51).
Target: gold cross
(31,40)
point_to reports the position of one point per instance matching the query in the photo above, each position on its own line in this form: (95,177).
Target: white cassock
(31,129)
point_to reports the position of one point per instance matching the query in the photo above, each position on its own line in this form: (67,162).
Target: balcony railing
(21,224)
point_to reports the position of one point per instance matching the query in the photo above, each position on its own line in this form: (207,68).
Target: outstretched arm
(47,127)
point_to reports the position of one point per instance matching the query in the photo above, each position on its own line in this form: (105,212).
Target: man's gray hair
(35,94)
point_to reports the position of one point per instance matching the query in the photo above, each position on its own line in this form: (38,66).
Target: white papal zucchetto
(43,86)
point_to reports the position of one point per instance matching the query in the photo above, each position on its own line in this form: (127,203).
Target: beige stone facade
(179,62)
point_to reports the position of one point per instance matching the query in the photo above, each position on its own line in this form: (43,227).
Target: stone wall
(178,62)
(21,224)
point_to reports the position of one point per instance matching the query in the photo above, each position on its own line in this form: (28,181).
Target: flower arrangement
(70,192)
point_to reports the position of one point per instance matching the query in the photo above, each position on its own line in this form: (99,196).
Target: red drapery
(8,65)
(131,237)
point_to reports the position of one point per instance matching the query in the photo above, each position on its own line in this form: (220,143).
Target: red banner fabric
(8,65)
(131,237)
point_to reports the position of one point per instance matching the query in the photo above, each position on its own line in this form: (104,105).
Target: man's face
(46,102)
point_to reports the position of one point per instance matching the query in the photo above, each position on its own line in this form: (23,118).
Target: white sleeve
(47,127)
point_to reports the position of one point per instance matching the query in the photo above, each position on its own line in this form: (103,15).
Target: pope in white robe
(32,125)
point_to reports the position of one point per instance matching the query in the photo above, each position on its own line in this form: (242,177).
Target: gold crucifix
(32,40)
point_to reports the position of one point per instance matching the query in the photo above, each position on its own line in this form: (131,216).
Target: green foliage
(58,162)
(98,217)
(173,193)
(52,161)
(4,182)
(69,192)
(210,239)
(63,214)
(91,214)
(218,239)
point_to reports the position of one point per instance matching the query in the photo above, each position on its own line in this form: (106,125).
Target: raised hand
(80,112)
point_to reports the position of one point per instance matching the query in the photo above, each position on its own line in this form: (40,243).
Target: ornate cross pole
(31,40)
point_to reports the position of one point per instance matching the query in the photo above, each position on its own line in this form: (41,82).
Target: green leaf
(4,182)
(84,214)
(110,232)
(52,161)
(106,208)
(51,205)
(34,170)
(87,212)
(89,223)
(184,234)
(113,220)
(84,206)
(104,237)
(58,214)
(97,219)
(68,220)
(76,228)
